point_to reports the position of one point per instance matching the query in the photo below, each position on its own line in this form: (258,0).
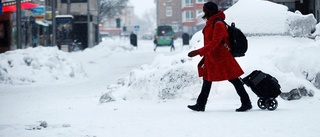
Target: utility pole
(18,24)
(53,9)
(88,22)
(98,18)
(68,6)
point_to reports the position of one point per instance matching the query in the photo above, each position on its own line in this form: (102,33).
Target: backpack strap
(219,19)
(214,22)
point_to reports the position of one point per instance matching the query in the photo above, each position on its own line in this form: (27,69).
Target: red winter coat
(217,63)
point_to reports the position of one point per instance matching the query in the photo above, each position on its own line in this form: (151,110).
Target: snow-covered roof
(64,16)
(260,17)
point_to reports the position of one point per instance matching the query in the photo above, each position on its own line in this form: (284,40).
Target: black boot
(196,107)
(244,97)
(244,107)
(202,98)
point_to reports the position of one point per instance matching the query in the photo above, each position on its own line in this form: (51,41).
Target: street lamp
(88,22)
(88,19)
(18,24)
(53,9)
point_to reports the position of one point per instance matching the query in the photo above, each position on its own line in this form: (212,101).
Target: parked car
(104,36)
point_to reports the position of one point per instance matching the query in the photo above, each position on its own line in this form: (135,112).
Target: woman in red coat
(217,63)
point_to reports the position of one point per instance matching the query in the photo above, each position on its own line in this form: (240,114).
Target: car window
(164,31)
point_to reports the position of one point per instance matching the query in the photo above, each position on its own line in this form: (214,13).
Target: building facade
(80,10)
(191,10)
(169,13)
(183,15)
(8,25)
(126,23)
(37,27)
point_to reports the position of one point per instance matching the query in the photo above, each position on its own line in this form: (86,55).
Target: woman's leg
(244,97)
(203,97)
(204,94)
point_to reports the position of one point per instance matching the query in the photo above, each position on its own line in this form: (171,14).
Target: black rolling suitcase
(266,87)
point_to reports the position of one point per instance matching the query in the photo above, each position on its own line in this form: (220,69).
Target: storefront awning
(13,8)
(38,10)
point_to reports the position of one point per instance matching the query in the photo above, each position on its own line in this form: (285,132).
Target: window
(168,11)
(201,1)
(187,3)
(164,31)
(188,16)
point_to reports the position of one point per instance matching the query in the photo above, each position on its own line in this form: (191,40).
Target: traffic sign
(136,28)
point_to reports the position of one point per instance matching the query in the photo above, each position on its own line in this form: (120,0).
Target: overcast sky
(140,6)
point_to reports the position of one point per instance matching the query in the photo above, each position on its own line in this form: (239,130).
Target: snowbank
(48,64)
(114,44)
(259,17)
(41,64)
(301,25)
(168,77)
(293,61)
(316,34)
(302,60)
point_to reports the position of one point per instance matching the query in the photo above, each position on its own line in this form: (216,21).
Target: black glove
(193,53)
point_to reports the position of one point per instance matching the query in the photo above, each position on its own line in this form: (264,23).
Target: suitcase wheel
(271,104)
(261,103)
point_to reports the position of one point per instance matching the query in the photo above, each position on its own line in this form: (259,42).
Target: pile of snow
(302,60)
(48,64)
(259,17)
(168,77)
(301,25)
(41,64)
(316,34)
(114,44)
(294,61)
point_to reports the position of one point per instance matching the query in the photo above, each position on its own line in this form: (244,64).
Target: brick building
(183,15)
(126,22)
(169,13)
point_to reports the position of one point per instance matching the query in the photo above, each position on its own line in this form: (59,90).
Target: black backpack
(238,41)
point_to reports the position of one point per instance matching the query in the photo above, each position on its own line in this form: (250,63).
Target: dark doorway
(5,36)
(81,33)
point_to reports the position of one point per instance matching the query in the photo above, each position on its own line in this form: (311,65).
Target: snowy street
(73,108)
(116,90)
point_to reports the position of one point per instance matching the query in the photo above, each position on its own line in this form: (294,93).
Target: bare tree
(150,18)
(111,8)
